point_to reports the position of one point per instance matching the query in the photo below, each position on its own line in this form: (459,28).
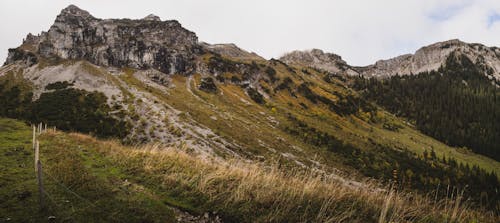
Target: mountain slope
(91,180)
(456,97)
(459,109)
(203,100)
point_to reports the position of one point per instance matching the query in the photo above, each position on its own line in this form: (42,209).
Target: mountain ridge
(425,59)
(67,32)
(144,43)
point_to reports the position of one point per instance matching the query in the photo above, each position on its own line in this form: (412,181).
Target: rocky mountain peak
(152,17)
(144,43)
(232,51)
(432,57)
(73,11)
(318,59)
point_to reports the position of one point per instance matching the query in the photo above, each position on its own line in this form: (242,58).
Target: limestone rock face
(432,57)
(145,43)
(232,51)
(318,59)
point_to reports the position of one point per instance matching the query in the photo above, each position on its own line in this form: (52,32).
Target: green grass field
(89,180)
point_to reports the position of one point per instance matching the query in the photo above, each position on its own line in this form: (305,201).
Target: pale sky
(361,31)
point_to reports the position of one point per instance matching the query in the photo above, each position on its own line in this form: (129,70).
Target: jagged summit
(152,17)
(427,58)
(74,11)
(76,34)
(318,59)
(433,56)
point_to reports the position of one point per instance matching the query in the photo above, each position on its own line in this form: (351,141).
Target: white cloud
(360,31)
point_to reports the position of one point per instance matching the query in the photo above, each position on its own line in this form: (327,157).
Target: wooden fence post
(41,190)
(37,154)
(34,136)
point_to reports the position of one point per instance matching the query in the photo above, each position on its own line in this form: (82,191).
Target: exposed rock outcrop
(232,51)
(318,59)
(432,57)
(145,43)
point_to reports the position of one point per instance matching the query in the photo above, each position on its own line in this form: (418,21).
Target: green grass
(81,186)
(17,176)
(89,180)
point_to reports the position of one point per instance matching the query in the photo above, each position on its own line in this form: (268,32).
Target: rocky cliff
(317,58)
(425,59)
(144,43)
(232,51)
(432,57)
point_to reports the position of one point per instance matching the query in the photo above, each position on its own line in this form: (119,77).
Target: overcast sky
(361,31)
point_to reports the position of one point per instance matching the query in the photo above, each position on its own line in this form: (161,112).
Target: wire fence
(42,175)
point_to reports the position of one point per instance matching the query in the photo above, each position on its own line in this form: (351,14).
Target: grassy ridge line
(243,192)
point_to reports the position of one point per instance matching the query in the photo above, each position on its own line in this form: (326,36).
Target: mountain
(457,96)
(425,59)
(146,43)
(432,57)
(443,86)
(152,82)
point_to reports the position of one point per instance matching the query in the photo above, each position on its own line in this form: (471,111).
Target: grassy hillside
(319,126)
(265,111)
(89,180)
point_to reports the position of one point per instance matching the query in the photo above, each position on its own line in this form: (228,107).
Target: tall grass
(241,191)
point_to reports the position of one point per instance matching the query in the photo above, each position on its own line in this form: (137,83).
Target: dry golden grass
(252,192)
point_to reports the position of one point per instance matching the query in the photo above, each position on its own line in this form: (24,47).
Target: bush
(255,95)
(58,85)
(272,74)
(78,110)
(66,108)
(208,85)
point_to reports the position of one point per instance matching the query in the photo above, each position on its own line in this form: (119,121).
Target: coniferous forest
(457,104)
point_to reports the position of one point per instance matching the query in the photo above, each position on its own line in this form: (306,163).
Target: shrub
(255,95)
(208,85)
